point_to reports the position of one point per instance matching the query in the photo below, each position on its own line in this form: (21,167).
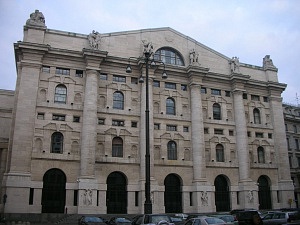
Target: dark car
(247,217)
(205,220)
(278,218)
(158,219)
(119,221)
(91,220)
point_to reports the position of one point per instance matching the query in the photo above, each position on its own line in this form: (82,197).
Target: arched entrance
(222,197)
(173,196)
(264,194)
(116,195)
(54,191)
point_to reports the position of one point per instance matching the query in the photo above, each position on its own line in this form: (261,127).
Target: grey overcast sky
(248,29)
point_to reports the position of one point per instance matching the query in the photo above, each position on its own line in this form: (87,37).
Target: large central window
(169,56)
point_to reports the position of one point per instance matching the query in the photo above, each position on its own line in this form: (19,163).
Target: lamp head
(128,69)
(164,75)
(141,80)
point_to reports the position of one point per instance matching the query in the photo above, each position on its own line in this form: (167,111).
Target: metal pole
(148,203)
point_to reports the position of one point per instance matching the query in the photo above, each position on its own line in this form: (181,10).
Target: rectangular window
(156,126)
(278,196)
(58,117)
(75,198)
(231,133)
(297,144)
(184,87)
(103,76)
(270,136)
(31,195)
(218,131)
(290,161)
(46,69)
(259,135)
(215,92)
(171,128)
(248,133)
(286,127)
(298,160)
(191,198)
(119,123)
(120,79)
(237,197)
(288,143)
(266,99)
(133,124)
(156,83)
(203,90)
(295,129)
(227,93)
(170,85)
(254,97)
(101,121)
(41,116)
(185,129)
(245,96)
(79,73)
(76,119)
(206,131)
(62,71)
(136,198)
(134,80)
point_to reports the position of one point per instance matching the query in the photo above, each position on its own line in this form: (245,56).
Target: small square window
(79,73)
(254,97)
(206,131)
(259,135)
(245,96)
(46,69)
(218,131)
(41,116)
(171,128)
(184,87)
(76,119)
(101,121)
(266,99)
(270,136)
(249,134)
(62,71)
(119,123)
(133,124)
(120,79)
(103,76)
(156,83)
(170,85)
(203,90)
(156,126)
(58,117)
(215,92)
(231,133)
(227,93)
(185,129)
(134,80)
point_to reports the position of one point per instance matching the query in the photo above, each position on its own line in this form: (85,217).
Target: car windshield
(227,218)
(158,218)
(123,220)
(93,219)
(213,220)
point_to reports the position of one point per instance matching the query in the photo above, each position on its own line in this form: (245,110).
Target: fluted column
(89,125)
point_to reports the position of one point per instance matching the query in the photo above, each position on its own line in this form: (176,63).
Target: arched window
(117,147)
(261,155)
(256,115)
(57,140)
(220,153)
(118,100)
(172,150)
(216,111)
(170,106)
(60,94)
(169,56)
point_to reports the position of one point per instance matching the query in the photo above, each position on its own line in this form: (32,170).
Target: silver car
(205,220)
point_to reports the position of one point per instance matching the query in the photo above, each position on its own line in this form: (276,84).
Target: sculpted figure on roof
(235,65)
(36,19)
(268,63)
(94,40)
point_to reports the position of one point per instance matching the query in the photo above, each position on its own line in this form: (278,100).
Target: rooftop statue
(235,65)
(36,19)
(268,63)
(94,40)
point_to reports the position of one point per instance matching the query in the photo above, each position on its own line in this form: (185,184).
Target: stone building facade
(292,128)
(217,137)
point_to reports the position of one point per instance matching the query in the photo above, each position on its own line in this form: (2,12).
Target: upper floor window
(172,150)
(256,115)
(117,147)
(184,87)
(215,92)
(118,78)
(58,117)
(118,100)
(220,153)
(169,56)
(62,71)
(295,129)
(261,155)
(46,69)
(216,111)
(79,73)
(57,140)
(119,123)
(60,94)
(255,97)
(171,128)
(170,106)
(103,76)
(203,90)
(170,85)
(156,83)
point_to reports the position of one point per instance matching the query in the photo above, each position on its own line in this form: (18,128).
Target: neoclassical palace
(73,131)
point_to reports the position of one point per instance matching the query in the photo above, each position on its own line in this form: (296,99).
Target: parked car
(228,218)
(205,220)
(278,218)
(91,220)
(247,217)
(157,219)
(119,221)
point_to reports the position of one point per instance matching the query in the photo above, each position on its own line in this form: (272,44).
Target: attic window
(169,56)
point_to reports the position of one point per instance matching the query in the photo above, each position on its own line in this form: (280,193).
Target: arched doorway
(222,197)
(264,194)
(173,195)
(54,191)
(116,196)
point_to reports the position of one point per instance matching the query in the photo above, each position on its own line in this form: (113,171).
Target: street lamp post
(146,60)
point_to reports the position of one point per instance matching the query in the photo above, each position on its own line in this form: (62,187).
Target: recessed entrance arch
(116,195)
(173,195)
(222,197)
(54,191)
(264,194)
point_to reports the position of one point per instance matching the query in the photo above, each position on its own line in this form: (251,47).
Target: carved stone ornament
(194,56)
(94,40)
(268,63)
(148,47)
(235,65)
(36,19)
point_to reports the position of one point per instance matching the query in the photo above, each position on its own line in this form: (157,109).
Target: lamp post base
(148,208)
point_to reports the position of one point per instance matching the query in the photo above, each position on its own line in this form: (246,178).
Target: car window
(158,218)
(213,220)
(139,220)
(268,216)
(197,222)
